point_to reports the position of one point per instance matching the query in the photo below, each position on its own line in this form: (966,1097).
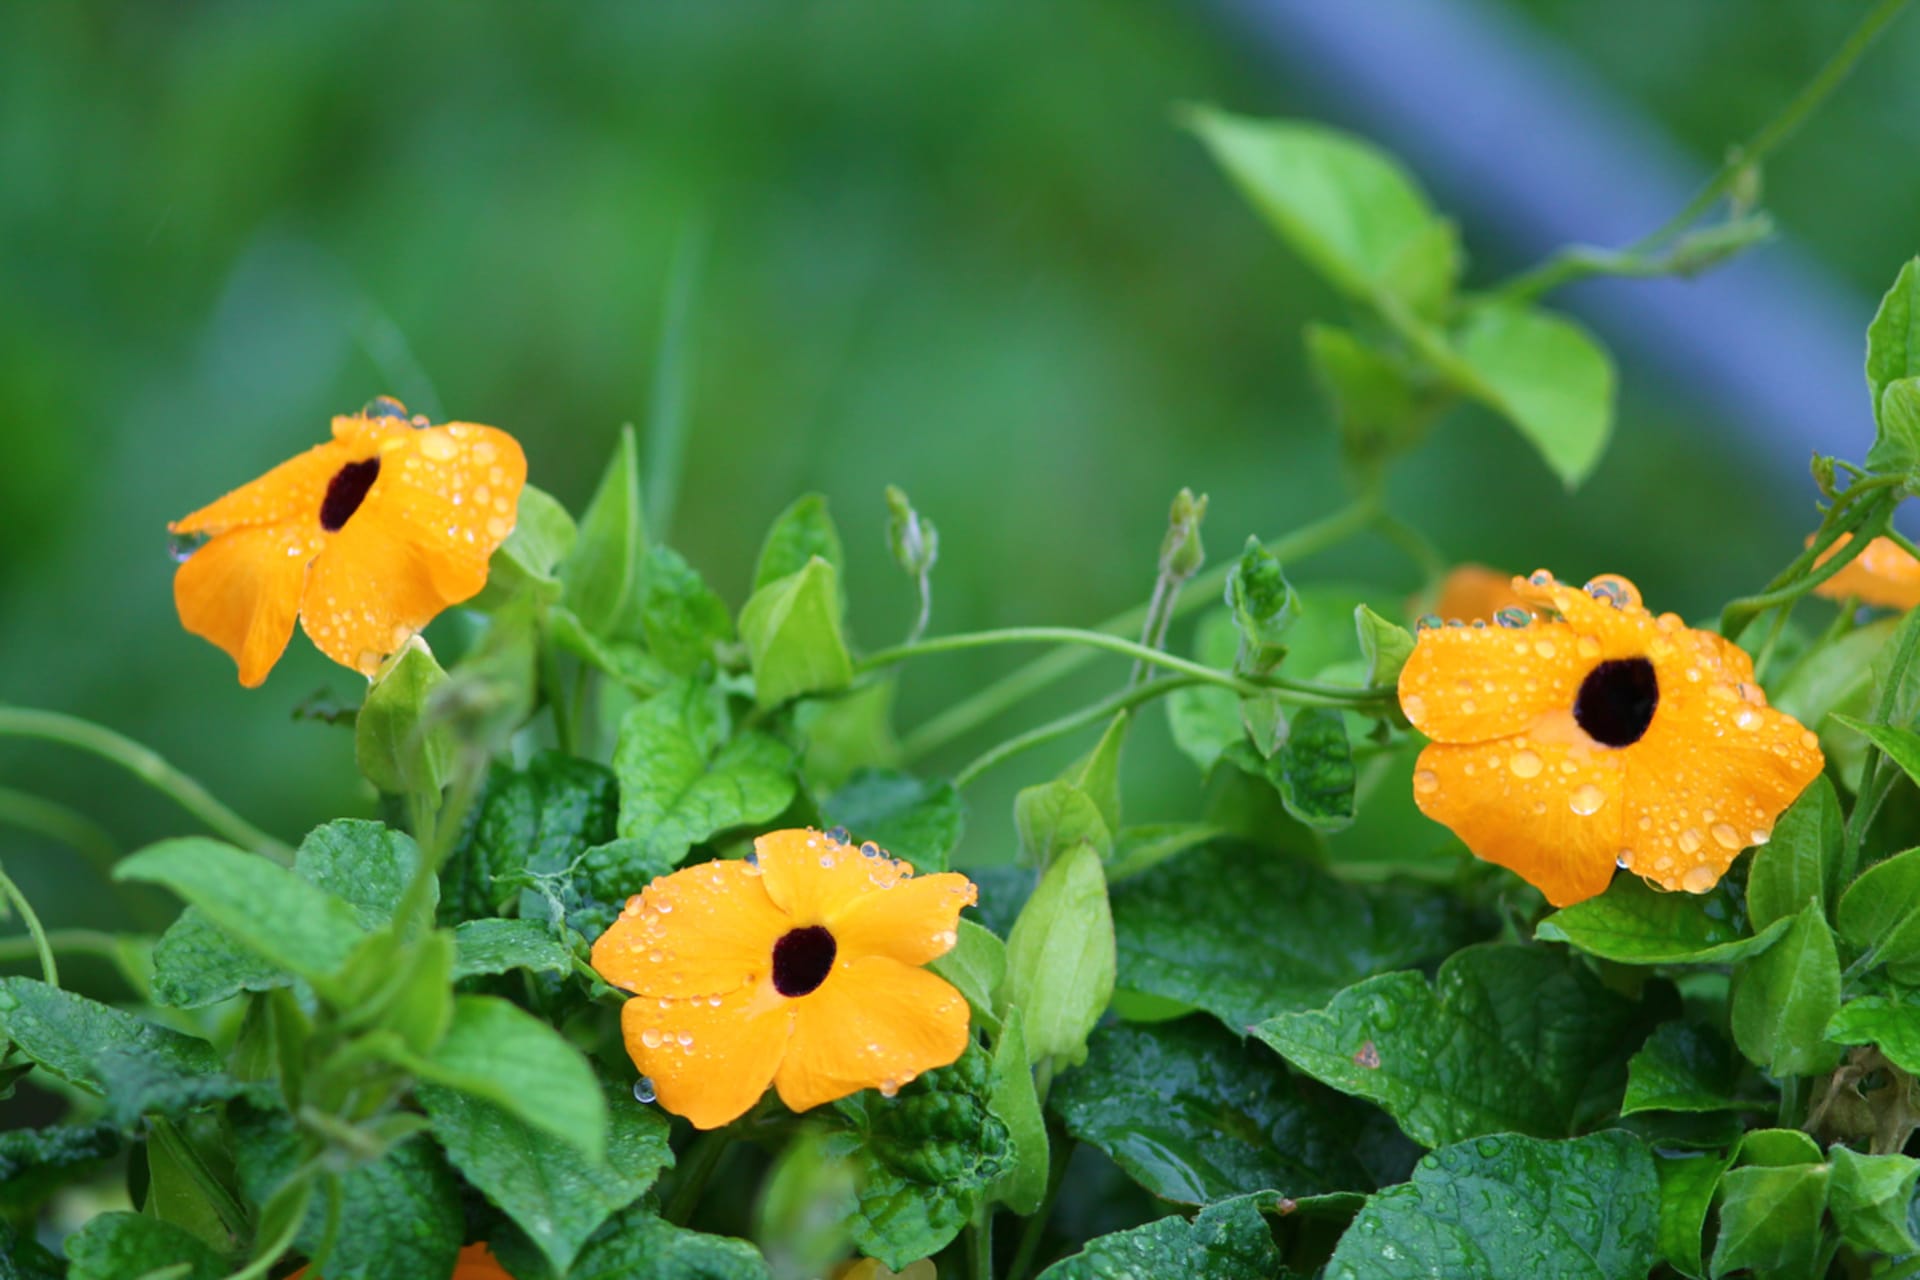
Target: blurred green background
(956,246)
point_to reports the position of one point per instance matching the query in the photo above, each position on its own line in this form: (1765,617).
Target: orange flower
(366,538)
(1471,591)
(1596,735)
(1882,574)
(797,968)
(476,1263)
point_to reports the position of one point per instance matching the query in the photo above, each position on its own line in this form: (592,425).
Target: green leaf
(1196,1115)
(800,1217)
(1836,677)
(640,1245)
(127,1246)
(976,966)
(23,1258)
(501,1054)
(1140,848)
(1893,338)
(1770,1219)
(1051,818)
(915,820)
(182,1188)
(543,534)
(1313,769)
(1683,1066)
(1503,1207)
(1225,1241)
(1098,773)
(1507,1038)
(682,780)
(1544,374)
(839,736)
(555,1195)
(398,749)
(602,577)
(1384,645)
(405,988)
(1245,934)
(532,822)
(1381,409)
(400,1214)
(1897,446)
(791,627)
(501,946)
(1880,913)
(680,616)
(922,1160)
(1022,1184)
(196,964)
(1873,1202)
(1263,605)
(1060,957)
(137,1066)
(265,908)
(35,1162)
(1890,1021)
(1901,745)
(1634,923)
(803,532)
(1783,998)
(1801,863)
(1342,204)
(1205,719)
(1688,1181)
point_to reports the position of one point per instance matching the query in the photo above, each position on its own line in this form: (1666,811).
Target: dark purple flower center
(1617,701)
(346,491)
(802,959)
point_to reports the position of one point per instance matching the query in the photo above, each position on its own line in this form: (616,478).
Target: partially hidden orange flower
(1473,591)
(476,1263)
(1587,734)
(1882,574)
(799,968)
(365,539)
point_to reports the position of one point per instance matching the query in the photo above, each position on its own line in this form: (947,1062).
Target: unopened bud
(914,540)
(1181,552)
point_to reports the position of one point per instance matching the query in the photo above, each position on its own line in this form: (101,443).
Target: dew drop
(1426,781)
(1747,718)
(1540,578)
(839,835)
(1545,648)
(1689,841)
(643,1090)
(181,546)
(1512,616)
(1725,836)
(650,1038)
(1625,860)
(889,1087)
(1525,764)
(1698,879)
(1586,800)
(383,407)
(1757,838)
(1414,705)
(686,1039)
(437,446)
(1468,706)
(869,850)
(1588,647)
(1429,622)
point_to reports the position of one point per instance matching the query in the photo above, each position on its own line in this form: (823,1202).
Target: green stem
(1793,1102)
(980,1244)
(11,891)
(702,1158)
(1094,713)
(148,766)
(1848,516)
(264,1259)
(1023,682)
(1035,1229)
(1058,635)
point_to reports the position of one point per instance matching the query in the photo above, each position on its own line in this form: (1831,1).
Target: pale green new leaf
(792,630)
(1783,998)
(1060,957)
(1547,376)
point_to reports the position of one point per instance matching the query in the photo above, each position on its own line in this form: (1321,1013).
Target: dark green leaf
(265,908)
(1683,1066)
(499,946)
(531,822)
(1544,374)
(1890,1021)
(1688,1180)
(1314,769)
(401,1216)
(1783,998)
(137,1066)
(615,871)
(556,1196)
(922,1159)
(1263,604)
(1139,848)
(682,780)
(1770,1219)
(1022,1184)
(1801,863)
(1634,923)
(1195,1115)
(914,820)
(640,1245)
(792,630)
(399,750)
(803,531)
(1342,204)
(1245,934)
(184,1188)
(502,1054)
(1225,1241)
(23,1258)
(1872,1198)
(603,575)
(1506,1038)
(1880,912)
(195,964)
(128,1246)
(1499,1208)
(34,1161)
(1060,957)
(680,616)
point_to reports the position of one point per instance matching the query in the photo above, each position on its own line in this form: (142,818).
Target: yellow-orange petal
(290,493)
(704,930)
(874,1023)
(1474,591)
(816,879)
(1549,808)
(476,1262)
(1882,574)
(242,590)
(444,499)
(914,921)
(710,1058)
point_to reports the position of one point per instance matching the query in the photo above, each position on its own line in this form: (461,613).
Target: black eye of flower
(1617,701)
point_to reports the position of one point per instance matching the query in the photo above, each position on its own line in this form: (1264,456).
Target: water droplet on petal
(181,546)
(1429,622)
(889,1087)
(839,835)
(1725,836)
(1526,764)
(1757,838)
(1586,800)
(1625,860)
(650,1038)
(1426,781)
(1512,616)
(1540,578)
(1698,879)
(1690,841)
(1414,706)
(383,407)
(643,1090)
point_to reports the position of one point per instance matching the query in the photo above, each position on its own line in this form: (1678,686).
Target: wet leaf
(1225,1241)
(1313,769)
(501,946)
(1801,863)
(683,781)
(122,1246)
(535,821)
(1683,1066)
(1634,923)
(1770,1219)
(915,820)
(1783,998)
